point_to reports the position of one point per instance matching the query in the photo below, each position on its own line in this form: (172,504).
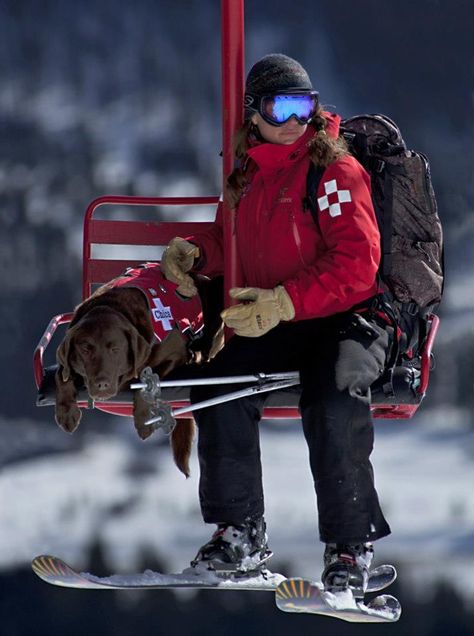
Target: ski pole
(234,395)
(238,379)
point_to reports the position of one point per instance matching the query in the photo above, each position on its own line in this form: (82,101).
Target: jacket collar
(270,157)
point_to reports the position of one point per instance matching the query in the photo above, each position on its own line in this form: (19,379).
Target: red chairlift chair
(410,379)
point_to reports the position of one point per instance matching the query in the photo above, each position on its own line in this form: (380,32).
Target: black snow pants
(338,359)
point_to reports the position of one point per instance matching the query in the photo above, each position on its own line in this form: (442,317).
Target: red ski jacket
(325,269)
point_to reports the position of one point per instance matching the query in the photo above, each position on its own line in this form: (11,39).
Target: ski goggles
(278,108)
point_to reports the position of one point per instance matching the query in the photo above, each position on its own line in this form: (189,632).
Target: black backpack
(411,267)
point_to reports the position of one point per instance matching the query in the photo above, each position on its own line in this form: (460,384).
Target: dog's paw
(68,417)
(142,429)
(141,414)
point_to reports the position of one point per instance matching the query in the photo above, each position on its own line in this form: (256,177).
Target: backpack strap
(385,224)
(387,379)
(313,179)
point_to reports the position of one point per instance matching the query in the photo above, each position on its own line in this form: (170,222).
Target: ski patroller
(290,594)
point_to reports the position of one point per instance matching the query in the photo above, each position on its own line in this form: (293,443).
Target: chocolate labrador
(135,321)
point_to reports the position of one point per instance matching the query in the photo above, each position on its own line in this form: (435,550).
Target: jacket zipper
(255,242)
(297,237)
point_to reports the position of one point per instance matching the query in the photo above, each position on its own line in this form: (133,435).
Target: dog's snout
(102,388)
(102,384)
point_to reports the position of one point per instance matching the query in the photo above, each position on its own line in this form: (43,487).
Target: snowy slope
(130,495)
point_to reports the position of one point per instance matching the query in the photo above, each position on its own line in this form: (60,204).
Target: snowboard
(55,571)
(296,595)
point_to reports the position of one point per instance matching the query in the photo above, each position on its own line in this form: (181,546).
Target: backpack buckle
(411,308)
(376,165)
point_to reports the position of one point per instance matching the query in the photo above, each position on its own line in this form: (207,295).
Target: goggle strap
(251,101)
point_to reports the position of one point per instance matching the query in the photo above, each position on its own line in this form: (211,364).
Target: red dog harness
(168,308)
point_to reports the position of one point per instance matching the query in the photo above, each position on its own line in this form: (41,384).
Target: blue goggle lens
(278,109)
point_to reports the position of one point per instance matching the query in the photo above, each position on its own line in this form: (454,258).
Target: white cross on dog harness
(336,196)
(176,310)
(162,314)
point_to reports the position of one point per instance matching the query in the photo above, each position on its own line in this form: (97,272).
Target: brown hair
(323,150)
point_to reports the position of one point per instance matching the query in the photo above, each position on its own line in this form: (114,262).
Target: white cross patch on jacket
(333,198)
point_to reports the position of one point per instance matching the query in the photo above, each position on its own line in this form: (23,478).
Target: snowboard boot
(235,548)
(347,567)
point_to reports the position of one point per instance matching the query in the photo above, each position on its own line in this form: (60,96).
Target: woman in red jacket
(306,303)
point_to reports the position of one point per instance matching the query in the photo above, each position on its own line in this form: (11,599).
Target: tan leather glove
(177,260)
(264,309)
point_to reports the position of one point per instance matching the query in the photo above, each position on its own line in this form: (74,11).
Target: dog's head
(105,349)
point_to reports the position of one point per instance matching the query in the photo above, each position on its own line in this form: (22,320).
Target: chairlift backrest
(123,233)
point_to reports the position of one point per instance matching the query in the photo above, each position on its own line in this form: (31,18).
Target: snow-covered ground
(129,494)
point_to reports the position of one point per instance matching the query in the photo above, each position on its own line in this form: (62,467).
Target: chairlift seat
(410,380)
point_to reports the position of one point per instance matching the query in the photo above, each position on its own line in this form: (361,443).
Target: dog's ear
(139,349)
(62,355)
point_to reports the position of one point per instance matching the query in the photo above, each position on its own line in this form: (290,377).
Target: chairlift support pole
(232,69)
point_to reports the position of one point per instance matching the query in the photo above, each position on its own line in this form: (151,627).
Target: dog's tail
(181,443)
